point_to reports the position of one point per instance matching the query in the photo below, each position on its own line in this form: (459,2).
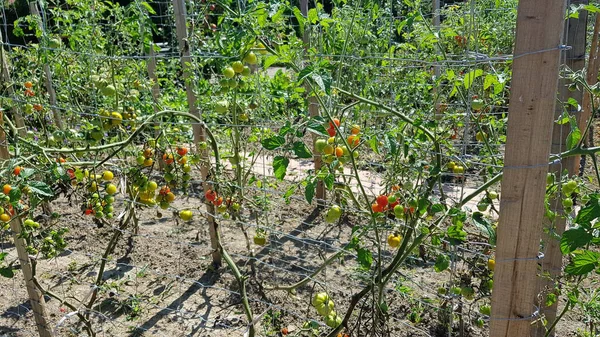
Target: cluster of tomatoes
(177,162)
(326,308)
(110,119)
(328,148)
(236,69)
(6,214)
(100,202)
(165,197)
(391,202)
(221,204)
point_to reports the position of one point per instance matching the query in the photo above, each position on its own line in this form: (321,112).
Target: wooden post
(313,110)
(5,78)
(575,37)
(199,133)
(33,8)
(533,94)
(151,65)
(36,297)
(438,109)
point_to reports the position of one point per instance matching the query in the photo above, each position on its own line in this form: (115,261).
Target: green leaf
(573,138)
(329,180)
(304,73)
(471,76)
(3,256)
(442,262)
(290,191)
(489,81)
(148,8)
(41,189)
(26,173)
(365,258)
(280,165)
(301,150)
(436,208)
(374,144)
(300,18)
(323,81)
(309,191)
(15,195)
(313,16)
(316,126)
(273,142)
(456,234)
(572,102)
(271,60)
(7,272)
(574,238)
(485,227)
(589,212)
(582,262)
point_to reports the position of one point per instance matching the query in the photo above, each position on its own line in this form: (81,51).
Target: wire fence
(430,101)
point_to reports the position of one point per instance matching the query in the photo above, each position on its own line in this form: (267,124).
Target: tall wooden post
(575,38)
(533,94)
(199,132)
(36,298)
(33,8)
(313,110)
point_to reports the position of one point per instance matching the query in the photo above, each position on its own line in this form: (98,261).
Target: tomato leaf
(316,126)
(582,262)
(301,150)
(589,212)
(574,238)
(273,142)
(471,76)
(573,138)
(7,272)
(329,180)
(26,173)
(269,61)
(485,227)
(365,258)
(3,256)
(300,18)
(41,189)
(309,191)
(14,195)
(442,262)
(280,165)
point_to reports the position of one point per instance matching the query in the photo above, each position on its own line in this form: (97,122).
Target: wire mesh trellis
(450,81)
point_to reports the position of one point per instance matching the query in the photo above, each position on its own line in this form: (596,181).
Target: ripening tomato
(17,170)
(37,107)
(182,151)
(218,201)
(210,195)
(382,200)
(376,208)
(28,85)
(331,132)
(168,158)
(6,189)
(336,122)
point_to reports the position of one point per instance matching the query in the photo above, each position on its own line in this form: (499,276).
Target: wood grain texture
(529,136)
(574,60)
(199,132)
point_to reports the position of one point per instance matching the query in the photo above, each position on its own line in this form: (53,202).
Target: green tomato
(320,145)
(319,298)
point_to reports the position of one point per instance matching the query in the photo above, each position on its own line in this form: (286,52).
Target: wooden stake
(33,8)
(533,94)
(575,34)
(199,132)
(313,110)
(36,297)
